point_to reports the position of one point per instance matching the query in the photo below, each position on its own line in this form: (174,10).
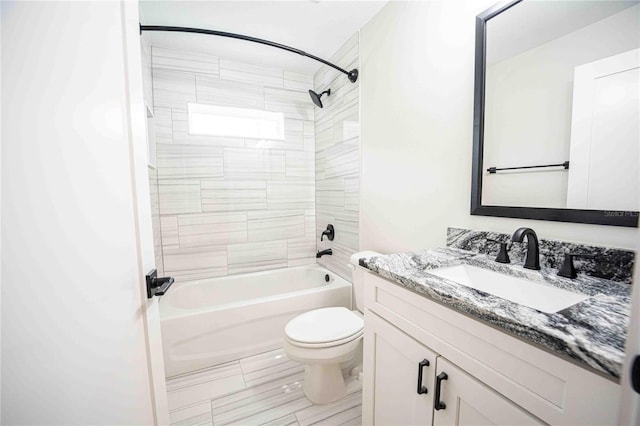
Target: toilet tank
(357,277)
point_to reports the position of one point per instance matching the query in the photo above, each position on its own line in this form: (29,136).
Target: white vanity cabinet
(491,377)
(465,401)
(395,361)
(404,390)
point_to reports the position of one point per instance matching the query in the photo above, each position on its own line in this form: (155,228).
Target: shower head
(316,98)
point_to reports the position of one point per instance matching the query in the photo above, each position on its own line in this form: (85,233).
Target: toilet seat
(325,327)
(325,344)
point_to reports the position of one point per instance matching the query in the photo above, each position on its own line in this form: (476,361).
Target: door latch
(157,286)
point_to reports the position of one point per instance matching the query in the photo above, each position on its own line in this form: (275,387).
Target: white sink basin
(528,293)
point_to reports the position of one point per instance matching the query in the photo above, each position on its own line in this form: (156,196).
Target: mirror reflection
(562,106)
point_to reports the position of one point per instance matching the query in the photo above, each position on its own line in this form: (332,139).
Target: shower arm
(352,75)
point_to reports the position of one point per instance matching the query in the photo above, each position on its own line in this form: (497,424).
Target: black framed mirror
(538,65)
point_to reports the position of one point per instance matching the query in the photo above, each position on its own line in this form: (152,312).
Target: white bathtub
(212,321)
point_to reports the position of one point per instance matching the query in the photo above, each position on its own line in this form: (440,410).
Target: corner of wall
(337,129)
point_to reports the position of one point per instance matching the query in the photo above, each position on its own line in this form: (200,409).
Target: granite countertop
(592,332)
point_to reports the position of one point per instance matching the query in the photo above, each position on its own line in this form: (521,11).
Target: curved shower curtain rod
(352,75)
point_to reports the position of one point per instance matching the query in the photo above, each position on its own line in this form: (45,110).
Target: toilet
(327,338)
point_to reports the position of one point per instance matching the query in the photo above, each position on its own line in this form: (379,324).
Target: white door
(605,135)
(464,401)
(78,334)
(392,366)
(140,158)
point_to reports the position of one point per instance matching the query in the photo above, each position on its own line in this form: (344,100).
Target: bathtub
(208,322)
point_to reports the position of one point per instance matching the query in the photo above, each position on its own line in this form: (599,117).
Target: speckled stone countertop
(592,332)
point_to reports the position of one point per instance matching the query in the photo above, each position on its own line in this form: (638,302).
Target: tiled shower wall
(337,130)
(145,50)
(232,205)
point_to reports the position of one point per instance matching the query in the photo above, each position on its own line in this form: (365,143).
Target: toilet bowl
(325,339)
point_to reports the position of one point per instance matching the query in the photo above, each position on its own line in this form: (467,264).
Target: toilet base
(323,379)
(323,383)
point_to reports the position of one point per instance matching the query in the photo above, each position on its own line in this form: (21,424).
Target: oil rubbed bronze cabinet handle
(437,404)
(421,365)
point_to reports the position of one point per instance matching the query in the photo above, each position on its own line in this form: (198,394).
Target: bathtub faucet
(329,232)
(323,252)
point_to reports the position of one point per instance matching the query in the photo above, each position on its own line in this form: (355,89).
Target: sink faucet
(323,252)
(532,260)
(503,254)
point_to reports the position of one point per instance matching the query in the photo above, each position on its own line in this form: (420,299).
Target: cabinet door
(465,401)
(392,365)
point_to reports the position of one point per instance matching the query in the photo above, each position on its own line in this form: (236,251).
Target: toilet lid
(324,325)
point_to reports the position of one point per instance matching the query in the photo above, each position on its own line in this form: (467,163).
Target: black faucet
(503,254)
(329,232)
(532,260)
(567,269)
(323,252)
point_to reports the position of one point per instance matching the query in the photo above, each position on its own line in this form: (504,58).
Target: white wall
(416,112)
(529,108)
(72,327)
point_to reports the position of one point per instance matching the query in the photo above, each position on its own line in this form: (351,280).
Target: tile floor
(265,389)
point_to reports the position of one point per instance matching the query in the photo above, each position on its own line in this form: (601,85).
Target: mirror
(556,127)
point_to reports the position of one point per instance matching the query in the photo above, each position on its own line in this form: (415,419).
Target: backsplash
(609,263)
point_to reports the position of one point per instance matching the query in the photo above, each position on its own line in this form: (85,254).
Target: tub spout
(323,252)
